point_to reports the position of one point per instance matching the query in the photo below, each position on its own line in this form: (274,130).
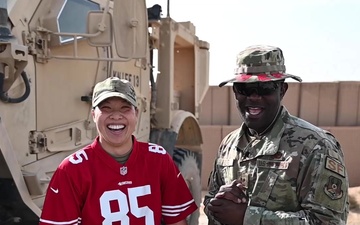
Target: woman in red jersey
(116,179)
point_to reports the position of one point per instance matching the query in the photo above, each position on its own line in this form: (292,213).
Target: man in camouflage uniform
(276,168)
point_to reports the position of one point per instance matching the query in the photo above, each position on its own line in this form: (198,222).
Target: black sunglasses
(261,88)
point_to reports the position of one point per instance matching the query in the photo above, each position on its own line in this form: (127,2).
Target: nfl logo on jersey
(123,170)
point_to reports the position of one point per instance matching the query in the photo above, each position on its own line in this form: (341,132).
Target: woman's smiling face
(115,120)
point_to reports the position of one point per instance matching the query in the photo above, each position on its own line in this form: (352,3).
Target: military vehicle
(52,52)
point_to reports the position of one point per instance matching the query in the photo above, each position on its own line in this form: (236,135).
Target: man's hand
(226,211)
(229,204)
(234,192)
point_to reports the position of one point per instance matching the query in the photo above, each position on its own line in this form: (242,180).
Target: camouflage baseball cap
(260,63)
(113,87)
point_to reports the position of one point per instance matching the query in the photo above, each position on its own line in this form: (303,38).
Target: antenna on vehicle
(168,8)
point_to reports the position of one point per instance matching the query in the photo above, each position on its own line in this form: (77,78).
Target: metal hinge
(37,142)
(37,42)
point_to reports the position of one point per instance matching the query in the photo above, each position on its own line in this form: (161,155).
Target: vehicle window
(72,18)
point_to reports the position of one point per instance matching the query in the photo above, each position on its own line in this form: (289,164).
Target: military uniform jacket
(295,174)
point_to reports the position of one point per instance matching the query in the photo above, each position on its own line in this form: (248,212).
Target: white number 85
(121,215)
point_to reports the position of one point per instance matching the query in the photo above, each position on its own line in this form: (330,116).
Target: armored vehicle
(52,52)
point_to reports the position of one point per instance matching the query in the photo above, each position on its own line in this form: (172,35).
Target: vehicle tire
(189,164)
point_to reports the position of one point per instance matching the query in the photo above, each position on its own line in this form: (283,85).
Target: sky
(320,39)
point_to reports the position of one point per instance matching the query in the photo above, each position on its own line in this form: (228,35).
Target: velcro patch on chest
(272,164)
(335,166)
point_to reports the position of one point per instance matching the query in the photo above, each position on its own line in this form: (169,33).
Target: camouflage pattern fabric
(113,87)
(260,63)
(295,174)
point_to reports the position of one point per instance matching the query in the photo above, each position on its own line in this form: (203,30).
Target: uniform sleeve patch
(333,188)
(335,166)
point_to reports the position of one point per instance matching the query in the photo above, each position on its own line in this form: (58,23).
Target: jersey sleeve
(62,202)
(177,200)
(322,189)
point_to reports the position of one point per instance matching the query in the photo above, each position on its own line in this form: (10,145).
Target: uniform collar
(269,142)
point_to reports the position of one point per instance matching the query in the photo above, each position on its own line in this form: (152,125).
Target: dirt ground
(203,219)
(354,215)
(353,219)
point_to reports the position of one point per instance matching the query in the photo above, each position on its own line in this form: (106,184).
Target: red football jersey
(91,187)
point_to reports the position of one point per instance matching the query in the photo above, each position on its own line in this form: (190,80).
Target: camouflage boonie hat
(260,63)
(113,87)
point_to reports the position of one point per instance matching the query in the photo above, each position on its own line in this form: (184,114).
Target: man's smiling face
(259,102)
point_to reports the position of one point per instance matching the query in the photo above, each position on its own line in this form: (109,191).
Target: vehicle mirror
(130,28)
(94,25)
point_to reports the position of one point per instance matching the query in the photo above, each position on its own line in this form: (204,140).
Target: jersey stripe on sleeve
(175,210)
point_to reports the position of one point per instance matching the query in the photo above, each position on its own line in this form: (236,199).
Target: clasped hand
(229,204)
